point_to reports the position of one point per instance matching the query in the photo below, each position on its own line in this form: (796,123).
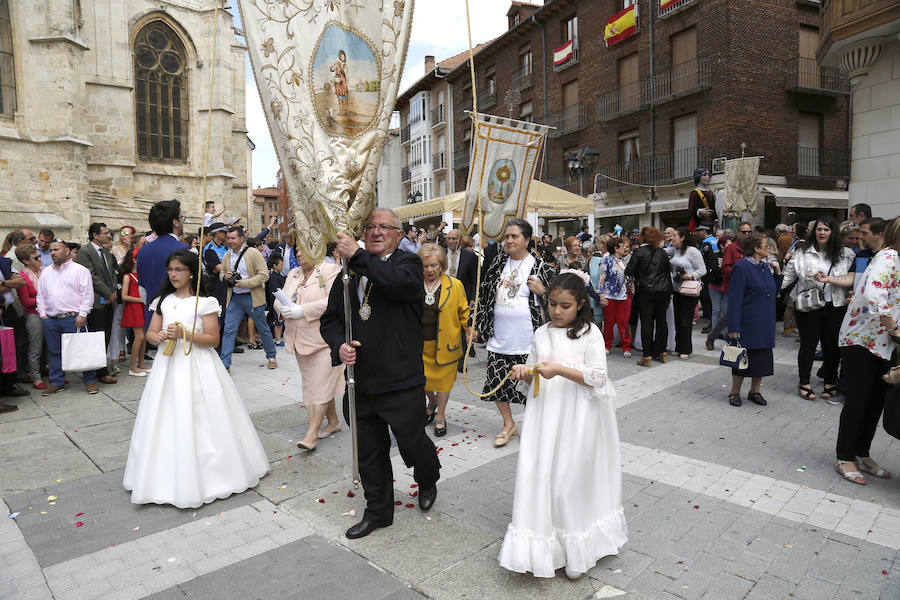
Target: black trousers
(705,301)
(684,317)
(403,412)
(823,324)
(863,404)
(652,307)
(101,319)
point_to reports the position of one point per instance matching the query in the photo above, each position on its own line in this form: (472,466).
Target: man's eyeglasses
(380,227)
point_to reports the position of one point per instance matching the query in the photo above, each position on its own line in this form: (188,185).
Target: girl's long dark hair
(187,259)
(833,246)
(575,285)
(127,265)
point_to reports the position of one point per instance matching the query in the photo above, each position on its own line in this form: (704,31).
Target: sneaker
(5,408)
(91,388)
(280,344)
(273,364)
(835,400)
(626,354)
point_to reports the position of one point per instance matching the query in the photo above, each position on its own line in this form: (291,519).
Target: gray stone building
(104,108)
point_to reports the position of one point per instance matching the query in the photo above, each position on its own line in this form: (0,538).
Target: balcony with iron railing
(572,60)
(438,161)
(437,116)
(404,174)
(522,78)
(804,75)
(463,106)
(461,158)
(817,163)
(404,135)
(622,101)
(667,167)
(487,98)
(569,183)
(680,80)
(667,9)
(568,120)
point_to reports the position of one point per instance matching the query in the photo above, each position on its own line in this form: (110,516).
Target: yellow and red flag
(621,25)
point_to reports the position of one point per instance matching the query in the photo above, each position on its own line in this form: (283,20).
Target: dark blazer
(104,286)
(649,267)
(490,252)
(390,357)
(151,266)
(751,304)
(467,271)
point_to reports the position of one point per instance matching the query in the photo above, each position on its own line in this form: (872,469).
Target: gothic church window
(161,94)
(7,72)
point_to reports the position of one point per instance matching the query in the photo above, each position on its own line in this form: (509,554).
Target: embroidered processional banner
(505,154)
(327,72)
(741,193)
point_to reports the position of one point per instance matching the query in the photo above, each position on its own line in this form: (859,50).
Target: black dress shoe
(237,350)
(5,408)
(706,330)
(757,398)
(364,528)
(734,399)
(472,352)
(427,496)
(15,392)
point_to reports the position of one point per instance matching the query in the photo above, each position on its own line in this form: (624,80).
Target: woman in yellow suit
(446,312)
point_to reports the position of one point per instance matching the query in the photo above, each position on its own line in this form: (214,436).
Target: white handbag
(83,351)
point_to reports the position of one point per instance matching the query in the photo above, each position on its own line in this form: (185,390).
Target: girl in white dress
(193,441)
(567,510)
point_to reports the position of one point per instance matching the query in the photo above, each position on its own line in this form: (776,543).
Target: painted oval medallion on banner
(345,82)
(502,181)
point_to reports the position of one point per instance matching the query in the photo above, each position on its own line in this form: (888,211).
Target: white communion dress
(567,509)
(193,440)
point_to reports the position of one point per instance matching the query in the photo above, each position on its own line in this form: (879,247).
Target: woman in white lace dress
(567,510)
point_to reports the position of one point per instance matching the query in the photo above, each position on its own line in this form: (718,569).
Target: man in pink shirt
(65,296)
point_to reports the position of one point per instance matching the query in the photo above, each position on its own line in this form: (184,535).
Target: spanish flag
(621,25)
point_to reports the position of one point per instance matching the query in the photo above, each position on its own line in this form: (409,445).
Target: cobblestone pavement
(722,503)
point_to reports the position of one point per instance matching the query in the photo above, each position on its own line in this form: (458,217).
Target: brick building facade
(723,74)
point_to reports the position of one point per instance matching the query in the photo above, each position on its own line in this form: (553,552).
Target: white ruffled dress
(193,440)
(568,500)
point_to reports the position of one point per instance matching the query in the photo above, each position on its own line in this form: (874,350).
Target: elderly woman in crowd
(869,334)
(649,267)
(751,317)
(510,308)
(574,257)
(687,264)
(615,299)
(445,312)
(851,236)
(818,266)
(307,287)
(123,243)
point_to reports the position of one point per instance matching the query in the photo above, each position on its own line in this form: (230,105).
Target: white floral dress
(878,295)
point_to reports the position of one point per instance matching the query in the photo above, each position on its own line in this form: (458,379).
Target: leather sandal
(806,392)
(440,429)
(503,437)
(830,391)
(875,471)
(851,476)
(430,411)
(644,362)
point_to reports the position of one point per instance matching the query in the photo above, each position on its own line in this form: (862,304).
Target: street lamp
(413,197)
(585,159)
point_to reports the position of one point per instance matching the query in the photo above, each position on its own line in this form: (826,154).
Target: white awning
(803,198)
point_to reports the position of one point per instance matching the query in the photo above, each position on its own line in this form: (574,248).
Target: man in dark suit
(103,268)
(387,300)
(167,223)
(462,264)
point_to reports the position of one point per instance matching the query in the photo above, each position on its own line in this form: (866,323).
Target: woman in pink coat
(308,287)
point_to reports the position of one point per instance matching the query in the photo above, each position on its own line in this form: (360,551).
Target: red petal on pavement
(397,503)
(79,514)
(410,505)
(465,408)
(351,494)
(454,444)
(321,500)
(696,507)
(413,494)
(884,573)
(414,485)
(79,524)
(464,430)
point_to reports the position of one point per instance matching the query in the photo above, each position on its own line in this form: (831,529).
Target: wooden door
(684,60)
(629,83)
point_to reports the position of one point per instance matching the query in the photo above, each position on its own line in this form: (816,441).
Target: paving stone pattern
(721,502)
